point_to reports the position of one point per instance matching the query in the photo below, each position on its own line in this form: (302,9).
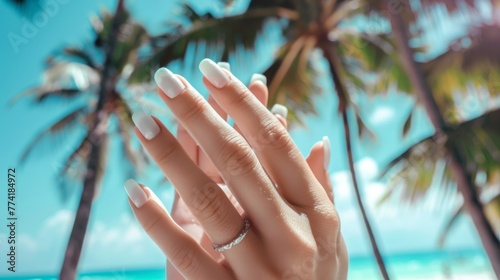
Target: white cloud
(367,171)
(28,242)
(61,220)
(124,244)
(382,114)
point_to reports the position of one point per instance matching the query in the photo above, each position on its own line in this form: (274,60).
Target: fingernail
(146,125)
(326,149)
(259,77)
(135,193)
(279,109)
(224,65)
(213,73)
(168,82)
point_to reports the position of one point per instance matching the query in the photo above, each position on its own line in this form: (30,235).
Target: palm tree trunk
(464,182)
(77,236)
(331,57)
(75,243)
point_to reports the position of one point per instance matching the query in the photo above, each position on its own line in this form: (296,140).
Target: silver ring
(234,242)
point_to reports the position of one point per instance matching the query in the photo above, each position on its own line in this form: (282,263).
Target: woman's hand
(318,161)
(294,229)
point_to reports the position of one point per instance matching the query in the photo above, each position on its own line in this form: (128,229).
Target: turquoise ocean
(431,265)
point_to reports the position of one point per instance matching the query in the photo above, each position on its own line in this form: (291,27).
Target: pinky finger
(319,160)
(281,112)
(182,251)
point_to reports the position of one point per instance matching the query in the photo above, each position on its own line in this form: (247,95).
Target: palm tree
(413,172)
(307,26)
(455,156)
(73,73)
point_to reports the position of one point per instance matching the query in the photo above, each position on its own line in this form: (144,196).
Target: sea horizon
(460,264)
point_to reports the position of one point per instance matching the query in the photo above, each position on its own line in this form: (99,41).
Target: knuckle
(208,205)
(242,95)
(193,110)
(334,218)
(308,249)
(203,196)
(183,258)
(331,220)
(272,136)
(237,157)
(165,154)
(152,226)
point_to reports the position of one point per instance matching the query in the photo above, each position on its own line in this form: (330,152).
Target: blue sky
(115,241)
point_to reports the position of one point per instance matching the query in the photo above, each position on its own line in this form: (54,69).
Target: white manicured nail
(326,149)
(135,193)
(146,125)
(224,65)
(168,82)
(214,73)
(279,109)
(259,77)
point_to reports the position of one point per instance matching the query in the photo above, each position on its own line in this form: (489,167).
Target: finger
(281,112)
(230,153)
(205,199)
(283,121)
(183,217)
(182,251)
(271,142)
(258,86)
(187,142)
(319,160)
(204,162)
(211,99)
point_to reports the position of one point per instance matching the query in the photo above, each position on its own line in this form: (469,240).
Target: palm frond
(226,35)
(451,5)
(78,157)
(80,55)
(72,171)
(464,66)
(131,37)
(137,159)
(408,124)
(457,213)
(293,82)
(40,94)
(259,4)
(478,140)
(60,126)
(491,208)
(342,12)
